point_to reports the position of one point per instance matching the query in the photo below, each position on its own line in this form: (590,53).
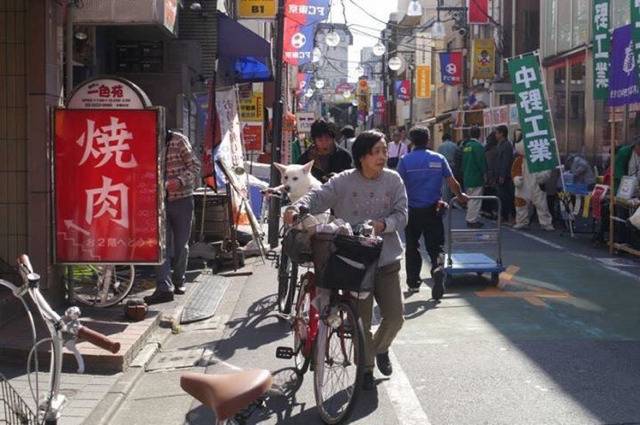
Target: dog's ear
(280,167)
(307,167)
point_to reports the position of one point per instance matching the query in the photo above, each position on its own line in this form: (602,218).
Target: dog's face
(296,179)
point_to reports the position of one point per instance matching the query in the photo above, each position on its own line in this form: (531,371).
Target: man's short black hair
(321,128)
(502,129)
(474,132)
(363,145)
(348,131)
(419,136)
(446,136)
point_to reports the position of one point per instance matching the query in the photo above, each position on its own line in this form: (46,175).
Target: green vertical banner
(601,47)
(533,112)
(635,34)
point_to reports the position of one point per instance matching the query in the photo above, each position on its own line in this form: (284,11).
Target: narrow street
(557,342)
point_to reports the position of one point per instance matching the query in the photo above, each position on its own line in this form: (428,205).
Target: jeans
(178,227)
(425,223)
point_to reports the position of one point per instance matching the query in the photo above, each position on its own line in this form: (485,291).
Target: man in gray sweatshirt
(373,193)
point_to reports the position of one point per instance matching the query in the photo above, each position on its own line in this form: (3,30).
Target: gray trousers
(178,227)
(388,295)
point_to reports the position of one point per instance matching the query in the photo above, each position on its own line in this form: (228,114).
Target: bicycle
(64,331)
(99,285)
(327,332)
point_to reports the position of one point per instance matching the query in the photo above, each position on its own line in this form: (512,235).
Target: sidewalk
(109,377)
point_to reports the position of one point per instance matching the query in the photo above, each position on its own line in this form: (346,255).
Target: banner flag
(601,47)
(300,19)
(403,89)
(478,11)
(451,68)
(423,82)
(623,87)
(484,59)
(533,112)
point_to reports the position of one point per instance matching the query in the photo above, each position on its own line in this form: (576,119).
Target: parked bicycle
(99,285)
(64,331)
(328,335)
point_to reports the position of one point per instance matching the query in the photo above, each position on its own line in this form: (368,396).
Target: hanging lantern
(308,93)
(395,63)
(414,9)
(359,70)
(332,39)
(316,54)
(319,84)
(346,94)
(379,49)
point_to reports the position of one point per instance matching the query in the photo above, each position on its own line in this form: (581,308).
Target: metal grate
(13,410)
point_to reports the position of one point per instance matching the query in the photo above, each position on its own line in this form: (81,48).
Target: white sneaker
(520,226)
(549,228)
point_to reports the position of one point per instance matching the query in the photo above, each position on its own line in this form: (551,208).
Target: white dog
(297,180)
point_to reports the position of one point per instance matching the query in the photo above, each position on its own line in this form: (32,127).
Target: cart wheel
(439,280)
(495,278)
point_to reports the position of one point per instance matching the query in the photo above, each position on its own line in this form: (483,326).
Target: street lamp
(332,38)
(395,63)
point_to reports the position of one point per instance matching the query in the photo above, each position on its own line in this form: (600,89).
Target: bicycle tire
(348,329)
(301,330)
(287,279)
(86,284)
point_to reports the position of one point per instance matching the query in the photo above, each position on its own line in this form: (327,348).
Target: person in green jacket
(621,166)
(474,167)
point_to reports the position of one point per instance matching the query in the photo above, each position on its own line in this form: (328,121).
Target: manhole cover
(204,299)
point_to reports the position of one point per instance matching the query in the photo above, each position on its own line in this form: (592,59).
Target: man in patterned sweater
(182,169)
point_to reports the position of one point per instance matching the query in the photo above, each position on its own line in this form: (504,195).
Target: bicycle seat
(227,394)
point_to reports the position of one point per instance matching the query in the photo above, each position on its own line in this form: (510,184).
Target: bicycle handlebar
(98,339)
(23,260)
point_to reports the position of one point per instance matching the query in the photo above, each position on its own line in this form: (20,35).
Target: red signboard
(106,186)
(252,137)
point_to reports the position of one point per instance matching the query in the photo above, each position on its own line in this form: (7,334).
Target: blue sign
(623,84)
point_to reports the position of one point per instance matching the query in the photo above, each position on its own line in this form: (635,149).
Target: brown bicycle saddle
(227,394)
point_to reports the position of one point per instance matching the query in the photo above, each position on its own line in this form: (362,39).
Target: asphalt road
(556,342)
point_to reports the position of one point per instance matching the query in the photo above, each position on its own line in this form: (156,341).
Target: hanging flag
(378,104)
(451,68)
(303,79)
(533,112)
(623,86)
(300,19)
(478,11)
(403,89)
(601,47)
(483,59)
(423,82)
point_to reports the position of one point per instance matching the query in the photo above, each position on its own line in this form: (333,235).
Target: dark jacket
(504,160)
(491,155)
(337,162)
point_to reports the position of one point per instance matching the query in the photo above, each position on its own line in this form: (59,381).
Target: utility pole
(276,141)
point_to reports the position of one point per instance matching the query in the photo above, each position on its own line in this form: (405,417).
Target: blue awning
(249,53)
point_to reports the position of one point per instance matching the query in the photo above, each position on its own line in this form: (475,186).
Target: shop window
(576,118)
(564,26)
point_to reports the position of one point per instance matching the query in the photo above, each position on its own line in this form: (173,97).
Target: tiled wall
(13,134)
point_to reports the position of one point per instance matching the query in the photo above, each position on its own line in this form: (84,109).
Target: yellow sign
(251,109)
(257,9)
(423,82)
(483,59)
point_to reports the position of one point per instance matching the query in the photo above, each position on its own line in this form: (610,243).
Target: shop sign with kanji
(107,180)
(533,112)
(601,47)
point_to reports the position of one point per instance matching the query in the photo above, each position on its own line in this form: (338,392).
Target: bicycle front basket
(296,244)
(348,263)
(13,409)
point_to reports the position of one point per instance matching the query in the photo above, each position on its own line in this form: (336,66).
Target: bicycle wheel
(100,285)
(301,328)
(287,278)
(339,363)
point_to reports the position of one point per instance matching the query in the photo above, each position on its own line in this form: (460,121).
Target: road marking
(403,399)
(583,256)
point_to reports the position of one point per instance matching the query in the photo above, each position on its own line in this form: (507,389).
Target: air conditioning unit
(128,12)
